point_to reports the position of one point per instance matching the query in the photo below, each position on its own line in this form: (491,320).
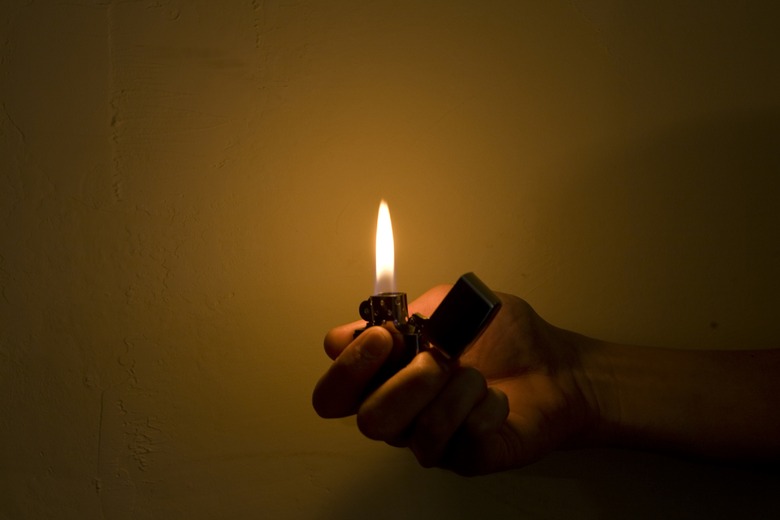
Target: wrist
(598,385)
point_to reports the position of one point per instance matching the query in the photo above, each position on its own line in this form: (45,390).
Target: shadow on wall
(688,221)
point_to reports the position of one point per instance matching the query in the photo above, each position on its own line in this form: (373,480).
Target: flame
(385,252)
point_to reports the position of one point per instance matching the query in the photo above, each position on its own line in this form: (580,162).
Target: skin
(525,388)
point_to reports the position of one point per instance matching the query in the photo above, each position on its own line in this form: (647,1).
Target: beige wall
(187,202)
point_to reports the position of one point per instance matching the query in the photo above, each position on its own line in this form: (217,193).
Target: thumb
(340,390)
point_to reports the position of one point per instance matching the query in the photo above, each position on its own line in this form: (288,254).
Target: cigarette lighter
(460,318)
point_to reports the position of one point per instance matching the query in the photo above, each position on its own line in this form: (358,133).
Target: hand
(517,393)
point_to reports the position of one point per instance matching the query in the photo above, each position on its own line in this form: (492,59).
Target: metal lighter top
(460,318)
(462,315)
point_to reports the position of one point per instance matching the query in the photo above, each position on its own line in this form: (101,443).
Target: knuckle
(426,373)
(474,379)
(479,426)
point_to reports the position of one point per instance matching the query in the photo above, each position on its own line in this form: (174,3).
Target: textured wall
(187,202)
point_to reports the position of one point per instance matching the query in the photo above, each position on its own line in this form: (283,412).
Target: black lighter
(460,318)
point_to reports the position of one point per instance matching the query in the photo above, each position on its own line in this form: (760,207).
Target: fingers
(339,391)
(388,412)
(466,408)
(439,421)
(428,404)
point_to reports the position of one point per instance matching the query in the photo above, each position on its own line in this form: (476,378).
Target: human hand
(514,395)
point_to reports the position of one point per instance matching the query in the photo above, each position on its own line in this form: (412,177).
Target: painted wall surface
(187,203)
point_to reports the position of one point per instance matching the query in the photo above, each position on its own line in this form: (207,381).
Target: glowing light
(385,252)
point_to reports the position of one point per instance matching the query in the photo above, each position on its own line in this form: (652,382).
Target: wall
(188,201)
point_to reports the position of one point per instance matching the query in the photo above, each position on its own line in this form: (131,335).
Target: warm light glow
(385,252)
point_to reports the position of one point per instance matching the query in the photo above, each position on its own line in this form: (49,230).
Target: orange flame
(385,252)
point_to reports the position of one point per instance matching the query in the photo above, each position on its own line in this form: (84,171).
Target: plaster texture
(187,203)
